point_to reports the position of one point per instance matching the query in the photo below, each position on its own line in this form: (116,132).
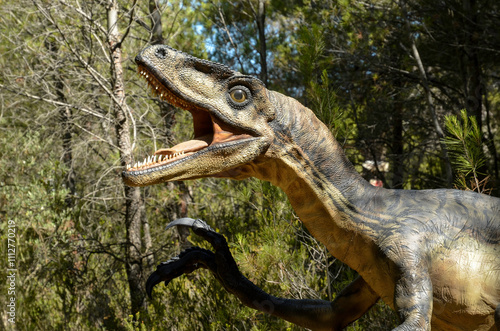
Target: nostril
(161,53)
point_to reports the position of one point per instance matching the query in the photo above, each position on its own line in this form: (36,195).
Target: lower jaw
(214,161)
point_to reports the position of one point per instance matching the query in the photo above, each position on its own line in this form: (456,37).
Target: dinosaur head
(230,113)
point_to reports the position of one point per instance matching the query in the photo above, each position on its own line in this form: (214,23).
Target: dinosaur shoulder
(440,215)
(449,215)
(460,207)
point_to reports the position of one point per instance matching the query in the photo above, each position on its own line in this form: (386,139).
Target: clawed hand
(194,258)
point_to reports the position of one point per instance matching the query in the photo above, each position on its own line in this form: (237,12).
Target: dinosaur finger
(224,257)
(202,229)
(185,263)
(152,281)
(195,224)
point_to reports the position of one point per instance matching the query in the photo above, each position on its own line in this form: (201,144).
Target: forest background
(410,88)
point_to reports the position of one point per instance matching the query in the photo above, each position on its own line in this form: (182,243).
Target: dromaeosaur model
(431,255)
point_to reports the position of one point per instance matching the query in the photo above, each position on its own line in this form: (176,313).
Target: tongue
(186,146)
(195,145)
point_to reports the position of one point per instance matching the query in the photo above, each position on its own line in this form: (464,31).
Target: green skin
(431,255)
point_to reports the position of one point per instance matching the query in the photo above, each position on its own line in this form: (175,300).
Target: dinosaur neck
(322,185)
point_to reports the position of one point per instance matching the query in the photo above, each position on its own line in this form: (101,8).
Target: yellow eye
(238,95)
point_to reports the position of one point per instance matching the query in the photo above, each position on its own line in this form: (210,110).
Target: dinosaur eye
(238,95)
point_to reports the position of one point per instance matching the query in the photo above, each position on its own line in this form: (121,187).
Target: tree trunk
(134,204)
(429,98)
(490,140)
(473,87)
(167,111)
(397,147)
(65,118)
(156,26)
(260,19)
(67,157)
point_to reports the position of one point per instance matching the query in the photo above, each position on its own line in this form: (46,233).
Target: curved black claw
(191,222)
(221,263)
(186,262)
(202,229)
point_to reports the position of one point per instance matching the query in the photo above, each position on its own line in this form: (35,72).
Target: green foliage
(48,269)
(347,60)
(465,145)
(265,244)
(134,323)
(321,94)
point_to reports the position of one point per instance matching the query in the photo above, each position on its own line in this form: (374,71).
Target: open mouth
(208,132)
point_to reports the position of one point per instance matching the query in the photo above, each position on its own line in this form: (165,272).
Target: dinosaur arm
(348,306)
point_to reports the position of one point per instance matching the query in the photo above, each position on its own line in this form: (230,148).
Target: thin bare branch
(54,102)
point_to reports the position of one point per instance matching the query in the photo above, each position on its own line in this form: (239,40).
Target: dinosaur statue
(431,255)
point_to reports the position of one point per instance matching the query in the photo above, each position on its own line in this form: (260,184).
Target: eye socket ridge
(239,95)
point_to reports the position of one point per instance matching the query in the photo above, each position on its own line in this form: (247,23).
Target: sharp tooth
(155,158)
(135,165)
(144,162)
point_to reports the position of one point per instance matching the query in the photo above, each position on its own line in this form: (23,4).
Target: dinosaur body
(432,255)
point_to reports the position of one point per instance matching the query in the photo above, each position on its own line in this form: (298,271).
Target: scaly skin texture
(432,255)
